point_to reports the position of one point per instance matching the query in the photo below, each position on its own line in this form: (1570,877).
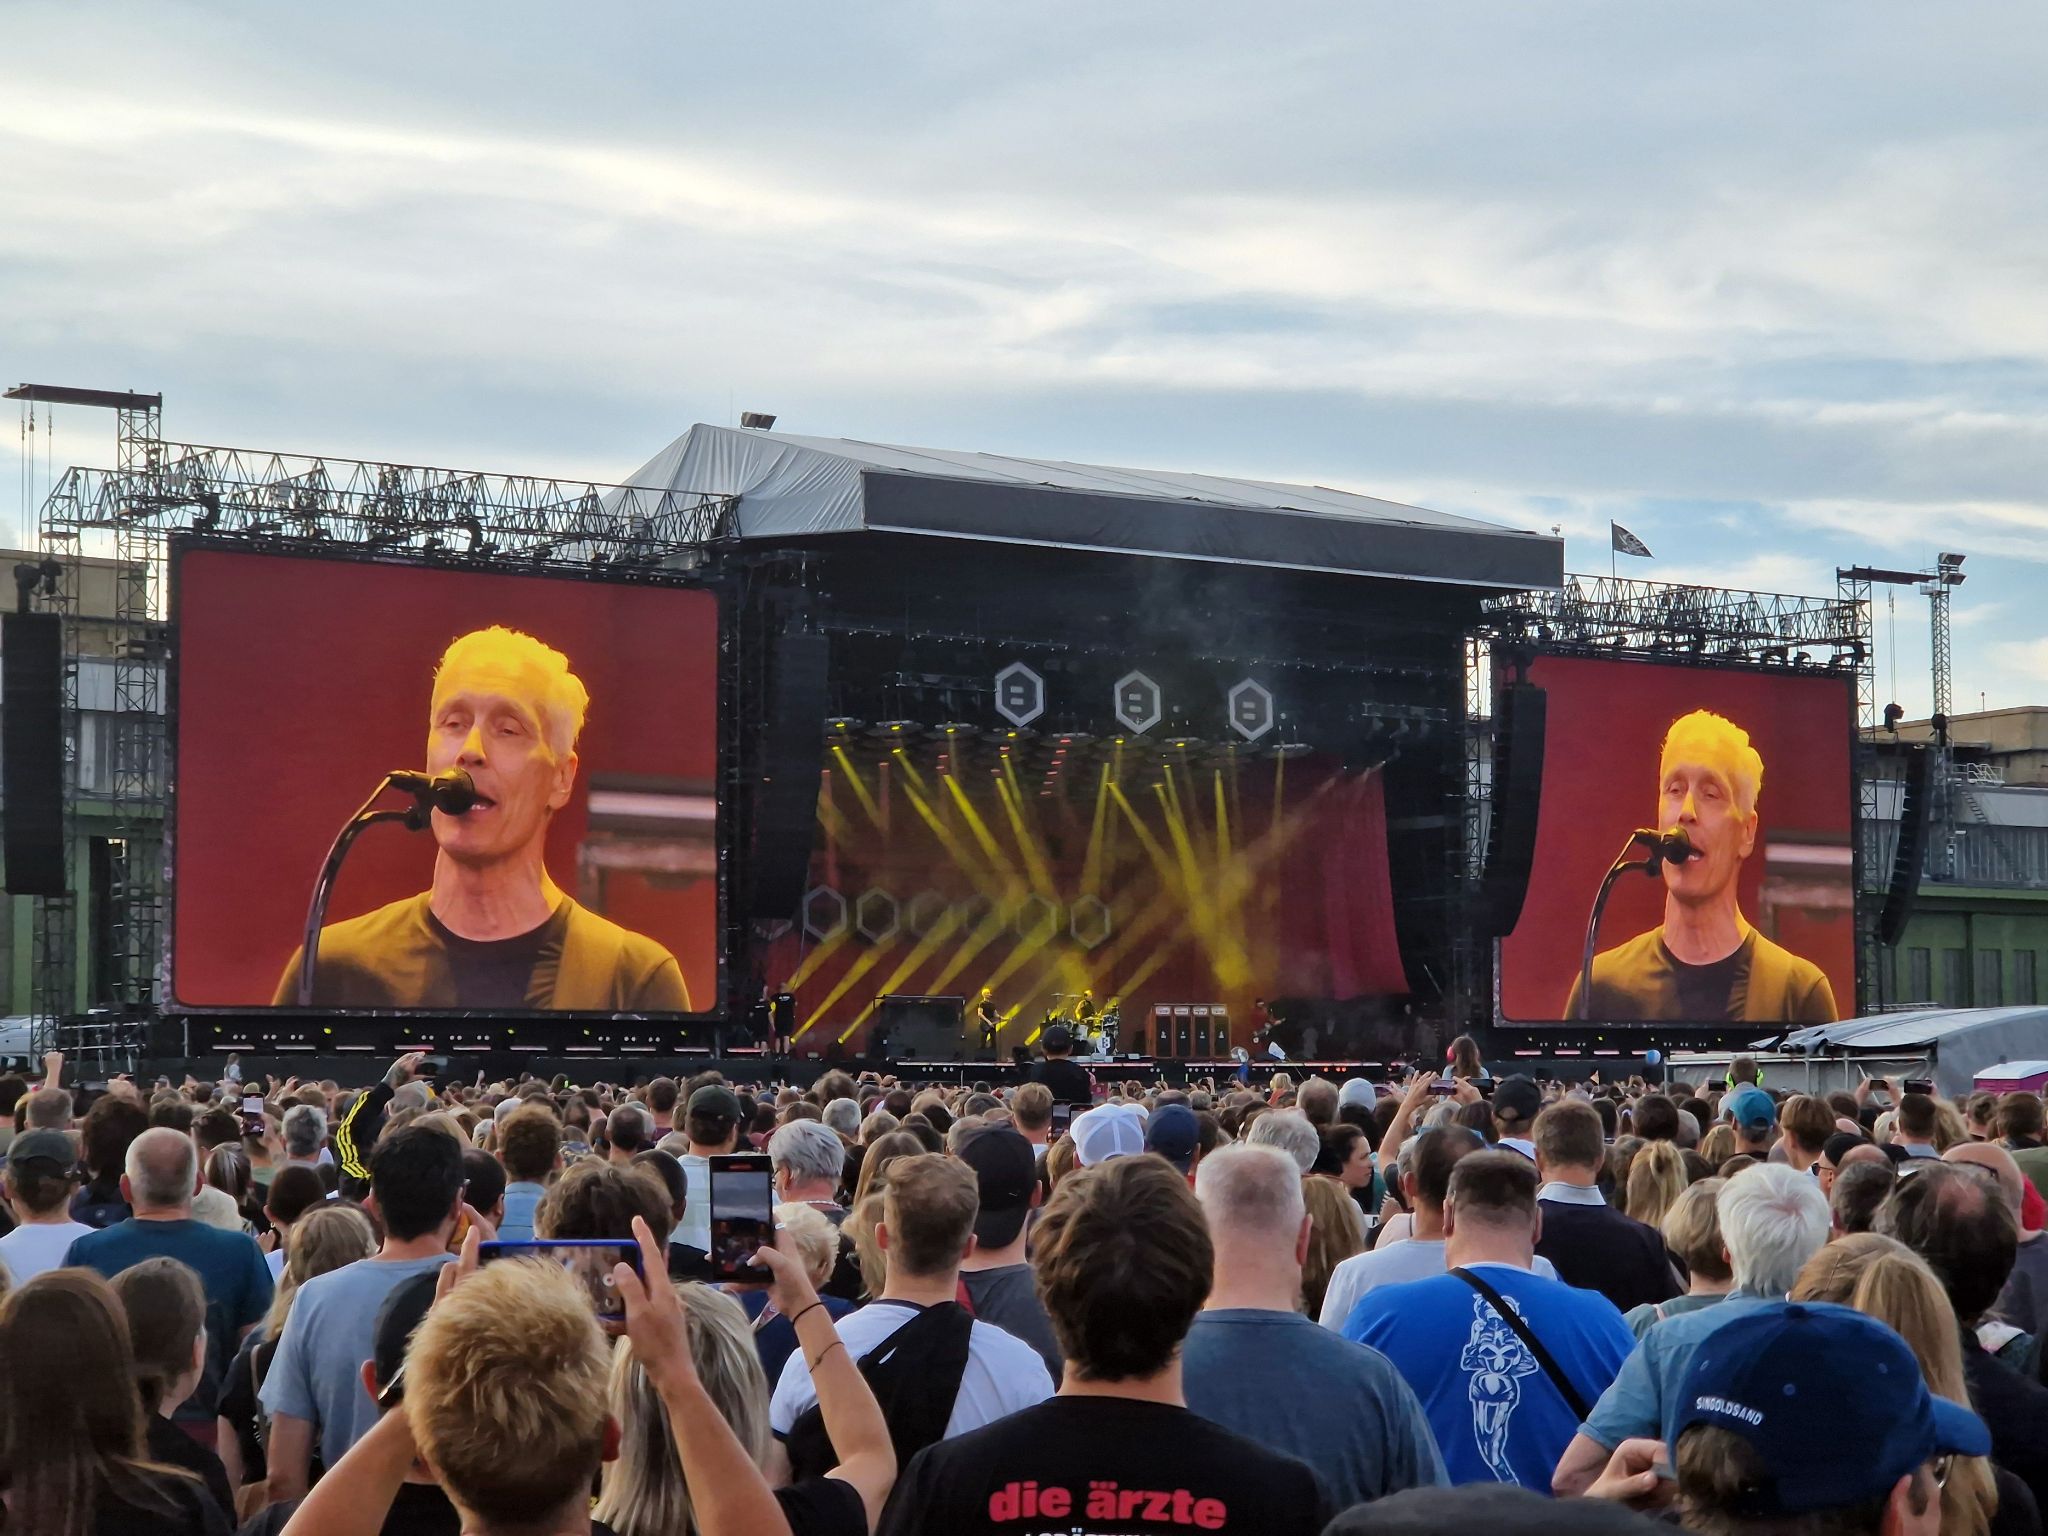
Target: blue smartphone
(589,1260)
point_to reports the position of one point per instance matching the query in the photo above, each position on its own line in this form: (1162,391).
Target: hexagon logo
(1251,710)
(1138,703)
(1038,919)
(1020,694)
(824,913)
(1088,921)
(875,916)
(925,912)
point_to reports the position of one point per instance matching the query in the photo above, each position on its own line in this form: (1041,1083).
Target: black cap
(403,1311)
(1517,1098)
(44,1147)
(1006,1170)
(1057,1037)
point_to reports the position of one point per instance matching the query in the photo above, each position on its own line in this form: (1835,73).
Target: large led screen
(583,878)
(1757,926)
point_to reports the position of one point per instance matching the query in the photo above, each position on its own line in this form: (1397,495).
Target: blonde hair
(1720,742)
(1718,1145)
(1692,1231)
(1333,1236)
(1884,1279)
(868,1252)
(563,700)
(644,1493)
(1061,1159)
(1656,1178)
(810,1237)
(506,1391)
(323,1239)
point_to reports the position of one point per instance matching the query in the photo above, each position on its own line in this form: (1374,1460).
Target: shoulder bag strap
(1544,1358)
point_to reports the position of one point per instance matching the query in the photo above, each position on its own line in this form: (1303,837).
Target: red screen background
(301,681)
(1603,735)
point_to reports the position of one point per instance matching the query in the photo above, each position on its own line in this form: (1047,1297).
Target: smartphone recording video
(1062,1117)
(742,1214)
(589,1260)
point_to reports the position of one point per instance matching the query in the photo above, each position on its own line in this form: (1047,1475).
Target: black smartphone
(1442,1086)
(1919,1085)
(589,1260)
(742,1214)
(252,1114)
(1062,1117)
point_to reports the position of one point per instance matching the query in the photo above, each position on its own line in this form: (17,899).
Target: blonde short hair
(1717,740)
(809,1237)
(506,1391)
(563,700)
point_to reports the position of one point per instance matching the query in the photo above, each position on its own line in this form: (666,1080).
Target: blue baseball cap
(1832,1402)
(1174,1133)
(1749,1106)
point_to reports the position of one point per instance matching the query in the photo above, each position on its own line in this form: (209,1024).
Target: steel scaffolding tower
(159,489)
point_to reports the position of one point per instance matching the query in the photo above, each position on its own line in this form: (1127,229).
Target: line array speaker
(32,752)
(785,818)
(1517,797)
(1910,852)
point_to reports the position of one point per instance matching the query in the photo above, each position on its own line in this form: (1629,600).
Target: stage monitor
(1752,764)
(583,880)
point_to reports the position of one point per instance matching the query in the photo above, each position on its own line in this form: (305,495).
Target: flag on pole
(1626,543)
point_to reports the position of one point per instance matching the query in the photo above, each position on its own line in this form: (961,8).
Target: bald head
(1987,1154)
(163,1170)
(1863,1152)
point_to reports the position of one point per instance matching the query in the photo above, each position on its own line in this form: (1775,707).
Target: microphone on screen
(1673,847)
(452,792)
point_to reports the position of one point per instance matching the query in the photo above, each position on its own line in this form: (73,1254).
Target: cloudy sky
(1766,283)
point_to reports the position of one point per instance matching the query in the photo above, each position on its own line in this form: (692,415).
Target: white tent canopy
(806,487)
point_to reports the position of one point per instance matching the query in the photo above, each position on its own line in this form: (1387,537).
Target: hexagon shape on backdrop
(924,912)
(1139,705)
(1038,919)
(824,913)
(1088,921)
(1251,710)
(1020,694)
(869,916)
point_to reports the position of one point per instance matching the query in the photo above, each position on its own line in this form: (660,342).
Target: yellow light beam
(1091,865)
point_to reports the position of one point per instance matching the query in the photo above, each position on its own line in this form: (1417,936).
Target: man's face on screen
(487,721)
(1700,798)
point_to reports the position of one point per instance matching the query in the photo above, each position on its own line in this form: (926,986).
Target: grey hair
(843,1115)
(305,1127)
(1292,1133)
(162,1168)
(1252,1189)
(1773,1219)
(809,1149)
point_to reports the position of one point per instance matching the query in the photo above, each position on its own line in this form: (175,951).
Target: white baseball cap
(1110,1130)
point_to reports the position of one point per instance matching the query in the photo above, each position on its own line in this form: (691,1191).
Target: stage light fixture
(842,725)
(756,421)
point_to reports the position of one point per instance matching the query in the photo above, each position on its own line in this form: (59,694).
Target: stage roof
(802,487)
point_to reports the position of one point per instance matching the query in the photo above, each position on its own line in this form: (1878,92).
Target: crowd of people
(1055,1305)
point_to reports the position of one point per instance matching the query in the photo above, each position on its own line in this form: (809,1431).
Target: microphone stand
(415,817)
(1652,866)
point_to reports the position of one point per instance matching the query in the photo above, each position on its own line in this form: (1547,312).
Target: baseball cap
(1109,1130)
(1356,1090)
(1057,1037)
(1006,1170)
(43,1147)
(1517,1098)
(1793,1375)
(1174,1133)
(402,1312)
(712,1099)
(1750,1107)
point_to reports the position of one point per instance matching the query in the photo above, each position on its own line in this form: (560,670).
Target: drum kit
(1095,1033)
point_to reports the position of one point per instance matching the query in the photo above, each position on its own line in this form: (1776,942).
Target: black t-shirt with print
(1103,1466)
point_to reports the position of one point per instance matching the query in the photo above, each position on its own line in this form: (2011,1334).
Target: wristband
(804,1312)
(813,1365)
